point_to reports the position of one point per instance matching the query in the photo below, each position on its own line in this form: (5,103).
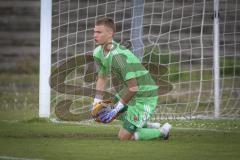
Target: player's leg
(139,114)
(130,132)
(151,133)
(127,131)
(123,134)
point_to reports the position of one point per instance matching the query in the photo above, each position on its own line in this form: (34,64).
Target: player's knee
(124,137)
(120,137)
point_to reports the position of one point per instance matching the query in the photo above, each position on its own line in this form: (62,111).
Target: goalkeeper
(137,94)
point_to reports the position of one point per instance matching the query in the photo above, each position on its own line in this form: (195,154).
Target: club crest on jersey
(135,118)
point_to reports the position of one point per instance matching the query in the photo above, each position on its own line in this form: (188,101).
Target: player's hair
(108,22)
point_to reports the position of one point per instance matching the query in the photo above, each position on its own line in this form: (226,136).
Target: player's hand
(106,117)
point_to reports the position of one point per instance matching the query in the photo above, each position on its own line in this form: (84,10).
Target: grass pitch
(41,139)
(23,137)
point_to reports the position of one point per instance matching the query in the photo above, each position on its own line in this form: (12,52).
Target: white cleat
(165,130)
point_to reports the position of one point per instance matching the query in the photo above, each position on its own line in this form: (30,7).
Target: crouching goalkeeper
(137,95)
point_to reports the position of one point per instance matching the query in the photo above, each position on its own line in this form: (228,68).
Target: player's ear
(110,31)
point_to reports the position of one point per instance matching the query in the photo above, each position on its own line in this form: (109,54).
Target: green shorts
(129,126)
(140,110)
(137,115)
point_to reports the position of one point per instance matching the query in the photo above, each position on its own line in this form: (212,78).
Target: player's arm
(101,81)
(130,92)
(100,86)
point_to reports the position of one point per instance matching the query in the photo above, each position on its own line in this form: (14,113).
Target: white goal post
(216,60)
(197,42)
(45,58)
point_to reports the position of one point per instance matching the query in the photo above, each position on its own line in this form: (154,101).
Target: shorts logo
(131,127)
(135,118)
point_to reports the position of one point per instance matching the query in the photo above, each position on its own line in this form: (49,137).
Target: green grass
(201,139)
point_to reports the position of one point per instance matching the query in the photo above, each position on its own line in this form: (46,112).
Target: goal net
(175,34)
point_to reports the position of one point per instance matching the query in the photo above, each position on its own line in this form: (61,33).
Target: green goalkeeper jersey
(121,64)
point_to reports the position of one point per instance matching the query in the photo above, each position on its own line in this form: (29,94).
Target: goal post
(45,58)
(216,60)
(195,44)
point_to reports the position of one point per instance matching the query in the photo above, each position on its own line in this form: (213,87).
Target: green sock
(147,133)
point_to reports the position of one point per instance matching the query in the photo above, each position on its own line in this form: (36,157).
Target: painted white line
(85,123)
(91,123)
(15,158)
(206,129)
(94,124)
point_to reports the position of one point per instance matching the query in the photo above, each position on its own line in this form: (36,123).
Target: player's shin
(146,134)
(152,133)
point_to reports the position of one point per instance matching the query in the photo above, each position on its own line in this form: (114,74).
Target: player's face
(102,34)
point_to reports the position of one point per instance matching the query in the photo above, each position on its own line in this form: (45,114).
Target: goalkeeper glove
(108,116)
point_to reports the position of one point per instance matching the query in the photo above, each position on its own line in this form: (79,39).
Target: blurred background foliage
(19,58)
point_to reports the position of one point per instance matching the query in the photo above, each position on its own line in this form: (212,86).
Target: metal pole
(216,61)
(45,58)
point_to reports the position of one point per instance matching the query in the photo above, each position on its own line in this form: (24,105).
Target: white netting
(175,33)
